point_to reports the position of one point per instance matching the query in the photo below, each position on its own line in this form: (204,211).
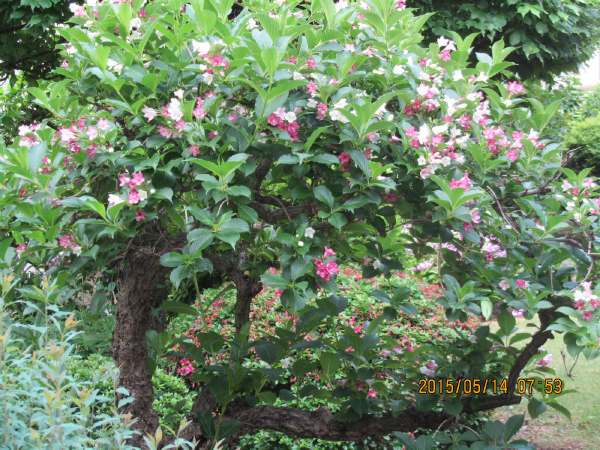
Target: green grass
(553,430)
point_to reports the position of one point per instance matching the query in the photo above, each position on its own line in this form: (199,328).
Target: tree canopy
(550,36)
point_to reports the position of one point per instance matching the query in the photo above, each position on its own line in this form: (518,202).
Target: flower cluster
(185,367)
(586,300)
(132,183)
(67,241)
(326,267)
(285,121)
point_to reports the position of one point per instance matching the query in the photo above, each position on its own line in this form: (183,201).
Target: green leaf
(171,259)
(338,220)
(179,308)
(274,281)
(512,426)
(201,238)
(507,322)
(165,193)
(535,407)
(313,137)
(486,308)
(330,363)
(324,195)
(268,351)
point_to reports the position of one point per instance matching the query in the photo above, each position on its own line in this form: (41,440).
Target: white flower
(290,117)
(114,66)
(424,134)
(298,76)
(309,232)
(202,48)
(379,71)
(252,24)
(286,363)
(179,94)
(442,41)
(482,77)
(341,5)
(136,23)
(440,129)
(311,103)
(398,70)
(422,161)
(114,199)
(174,110)
(377,265)
(342,103)
(143,194)
(300,243)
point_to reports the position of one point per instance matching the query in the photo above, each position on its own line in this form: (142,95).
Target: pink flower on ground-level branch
(545,361)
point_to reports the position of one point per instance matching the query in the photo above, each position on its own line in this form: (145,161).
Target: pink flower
(521,284)
(588,315)
(328,252)
(149,113)
(504,285)
(462,183)
(344,159)
(311,63)
(326,270)
(400,4)
(199,112)
(133,197)
(390,197)
(512,155)
(212,134)
(66,241)
(545,361)
(194,150)
(104,124)
(186,367)
(518,313)
(164,131)
(77,10)
(136,179)
(140,216)
(372,393)
(124,179)
(21,248)
(429,368)
(515,88)
(312,88)
(321,111)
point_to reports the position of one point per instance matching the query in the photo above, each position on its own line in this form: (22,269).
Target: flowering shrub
(267,146)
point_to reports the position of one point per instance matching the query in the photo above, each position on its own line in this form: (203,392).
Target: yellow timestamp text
(491,386)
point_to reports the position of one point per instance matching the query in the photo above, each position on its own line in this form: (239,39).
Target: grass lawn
(552,430)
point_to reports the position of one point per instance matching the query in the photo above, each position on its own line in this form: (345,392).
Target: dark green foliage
(27,36)
(551,36)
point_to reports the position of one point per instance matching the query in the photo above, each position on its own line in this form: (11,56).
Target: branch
(322,424)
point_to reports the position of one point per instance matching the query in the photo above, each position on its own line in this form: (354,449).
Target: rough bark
(142,287)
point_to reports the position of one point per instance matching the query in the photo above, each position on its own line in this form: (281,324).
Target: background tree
(28,38)
(550,36)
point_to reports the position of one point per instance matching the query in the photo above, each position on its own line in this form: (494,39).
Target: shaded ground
(552,430)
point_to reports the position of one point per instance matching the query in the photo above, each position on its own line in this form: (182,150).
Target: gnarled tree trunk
(142,287)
